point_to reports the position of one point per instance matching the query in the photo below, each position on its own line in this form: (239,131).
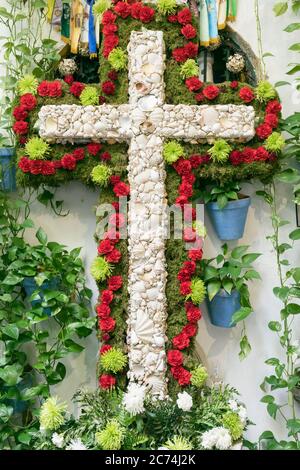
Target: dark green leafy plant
(221,194)
(231,270)
(25,324)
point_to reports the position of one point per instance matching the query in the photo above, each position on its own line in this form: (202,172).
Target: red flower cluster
(108,87)
(211,92)
(184,16)
(21,127)
(28,101)
(188,31)
(193,83)
(107,381)
(36,167)
(249,155)
(246,94)
(77,88)
(189,51)
(52,89)
(94,149)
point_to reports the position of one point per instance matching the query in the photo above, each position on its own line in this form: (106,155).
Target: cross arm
(207,123)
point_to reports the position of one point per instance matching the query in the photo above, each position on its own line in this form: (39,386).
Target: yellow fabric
(76,22)
(222,10)
(50,8)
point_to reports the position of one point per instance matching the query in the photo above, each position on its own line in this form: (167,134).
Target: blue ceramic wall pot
(30,286)
(222,308)
(7,169)
(229,223)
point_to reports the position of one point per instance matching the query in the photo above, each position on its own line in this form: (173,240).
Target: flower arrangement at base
(116,420)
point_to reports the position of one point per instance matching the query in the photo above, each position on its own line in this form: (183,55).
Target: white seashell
(147,103)
(152,293)
(51,125)
(154,78)
(144,328)
(210,116)
(148,69)
(125,122)
(159,340)
(136,355)
(134,338)
(138,116)
(156,384)
(137,372)
(156,116)
(151,358)
(155,59)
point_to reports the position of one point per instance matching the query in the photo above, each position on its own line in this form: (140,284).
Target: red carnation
(273,107)
(57,164)
(102,99)
(116,205)
(43,88)
(190,266)
(185,288)
(107,324)
(146,14)
(20,127)
(55,89)
(121,189)
(189,213)
(184,377)
(112,235)
(78,154)
(24,164)
(69,79)
(271,120)
(183,166)
(108,87)
(180,54)
(185,188)
(189,179)
(105,156)
(190,330)
(28,101)
(236,157)
(175,358)
(114,256)
(193,83)
(211,92)
(103,311)
(188,31)
(115,179)
(181,200)
(36,167)
(246,94)
(195,255)
(172,19)
(105,247)
(48,168)
(107,381)
(189,235)
(261,154)
(117,220)
(181,341)
(263,131)
(20,113)
(234,85)
(115,283)
(109,29)
(193,313)
(197,160)
(94,148)
(105,348)
(68,162)
(191,49)
(135,10)
(108,17)
(184,16)
(184,275)
(122,9)
(113,75)
(248,155)
(107,296)
(77,88)
(110,42)
(200,97)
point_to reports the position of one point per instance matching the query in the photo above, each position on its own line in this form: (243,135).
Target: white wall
(219,347)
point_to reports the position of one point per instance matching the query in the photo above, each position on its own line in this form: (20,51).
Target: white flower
(217,437)
(233,405)
(242,412)
(133,399)
(58,440)
(184,401)
(76,444)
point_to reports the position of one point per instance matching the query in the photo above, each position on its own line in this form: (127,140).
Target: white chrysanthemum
(76,444)
(242,412)
(58,440)
(217,437)
(184,401)
(235,63)
(233,405)
(133,399)
(67,67)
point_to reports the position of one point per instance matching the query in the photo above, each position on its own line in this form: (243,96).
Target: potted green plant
(226,278)
(227,209)
(7,166)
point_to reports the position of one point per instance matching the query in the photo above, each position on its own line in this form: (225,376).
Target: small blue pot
(30,286)
(222,308)
(229,223)
(7,169)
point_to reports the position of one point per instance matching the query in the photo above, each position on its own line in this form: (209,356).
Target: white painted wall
(219,347)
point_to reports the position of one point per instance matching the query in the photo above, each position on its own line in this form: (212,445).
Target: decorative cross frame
(145,122)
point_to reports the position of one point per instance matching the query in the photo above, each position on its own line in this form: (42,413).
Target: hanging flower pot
(222,308)
(31,286)
(7,169)
(229,222)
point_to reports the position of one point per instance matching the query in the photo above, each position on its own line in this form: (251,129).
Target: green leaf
(281,83)
(275,325)
(294,70)
(295,235)
(272,409)
(213,288)
(61,370)
(11,330)
(239,251)
(245,348)
(24,437)
(293,426)
(241,314)
(210,272)
(41,236)
(267,399)
(292,27)
(32,392)
(280,8)
(295,47)
(296,274)
(281,292)
(227,285)
(250,258)
(11,375)
(251,274)
(222,201)
(293,309)
(12,279)
(72,346)
(5,412)
(28,223)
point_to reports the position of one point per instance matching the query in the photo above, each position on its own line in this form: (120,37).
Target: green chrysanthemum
(233,423)
(200,229)
(220,151)
(89,96)
(27,84)
(265,91)
(178,443)
(101,6)
(112,436)
(275,142)
(189,69)
(199,376)
(101,174)
(36,148)
(113,360)
(118,59)
(166,7)
(198,291)
(52,414)
(172,152)
(100,269)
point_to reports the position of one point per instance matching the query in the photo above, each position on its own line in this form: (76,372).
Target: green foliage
(100,174)
(114,360)
(199,376)
(198,291)
(172,151)
(112,436)
(27,84)
(189,68)
(265,92)
(221,194)
(89,96)
(118,59)
(52,414)
(100,269)
(232,422)
(166,7)
(36,148)
(220,151)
